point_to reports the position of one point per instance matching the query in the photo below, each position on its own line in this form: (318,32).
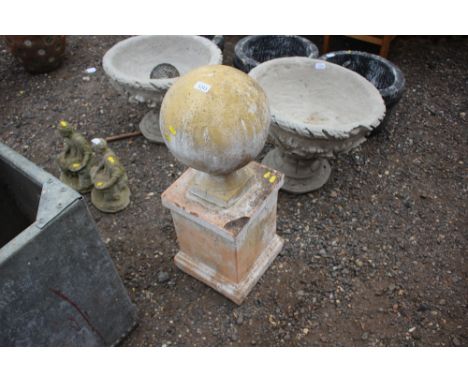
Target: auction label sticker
(202,86)
(320,65)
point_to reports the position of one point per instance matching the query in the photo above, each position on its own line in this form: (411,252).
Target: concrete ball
(215,119)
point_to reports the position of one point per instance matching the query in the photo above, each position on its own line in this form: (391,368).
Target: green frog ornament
(110,193)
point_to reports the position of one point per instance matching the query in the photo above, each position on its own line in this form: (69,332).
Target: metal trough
(58,284)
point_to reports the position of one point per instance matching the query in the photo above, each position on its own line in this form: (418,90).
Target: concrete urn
(132,67)
(318,110)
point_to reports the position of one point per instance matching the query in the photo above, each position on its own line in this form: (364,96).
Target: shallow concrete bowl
(318,110)
(318,107)
(128,65)
(382,73)
(130,62)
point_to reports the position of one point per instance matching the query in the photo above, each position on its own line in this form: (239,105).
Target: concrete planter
(130,63)
(318,110)
(382,73)
(251,51)
(58,285)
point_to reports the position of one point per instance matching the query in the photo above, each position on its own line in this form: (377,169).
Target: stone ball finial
(215,119)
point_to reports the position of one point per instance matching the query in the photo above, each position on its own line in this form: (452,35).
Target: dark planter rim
(398,85)
(250,62)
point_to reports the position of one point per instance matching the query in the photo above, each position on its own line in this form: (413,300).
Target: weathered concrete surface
(227,248)
(215,119)
(302,174)
(424,152)
(58,285)
(315,98)
(318,110)
(130,62)
(75,159)
(382,73)
(110,183)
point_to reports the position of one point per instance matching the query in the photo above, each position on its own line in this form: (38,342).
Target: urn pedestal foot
(149,127)
(301,175)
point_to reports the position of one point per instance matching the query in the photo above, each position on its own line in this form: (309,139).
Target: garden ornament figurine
(110,193)
(75,159)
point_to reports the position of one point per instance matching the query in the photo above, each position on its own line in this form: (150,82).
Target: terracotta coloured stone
(227,248)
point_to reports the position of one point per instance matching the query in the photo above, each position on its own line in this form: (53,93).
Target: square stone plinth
(227,248)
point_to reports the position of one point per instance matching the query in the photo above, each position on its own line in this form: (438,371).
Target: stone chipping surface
(377,257)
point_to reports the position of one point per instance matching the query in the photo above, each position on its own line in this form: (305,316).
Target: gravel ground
(376,257)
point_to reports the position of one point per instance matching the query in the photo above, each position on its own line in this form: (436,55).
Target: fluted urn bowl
(129,65)
(318,110)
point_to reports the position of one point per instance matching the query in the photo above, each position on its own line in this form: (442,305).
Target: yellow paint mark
(172,130)
(99,184)
(63,123)
(271,177)
(168,137)
(111,159)
(75,165)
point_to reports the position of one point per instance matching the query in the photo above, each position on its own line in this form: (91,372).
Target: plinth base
(301,176)
(149,127)
(227,248)
(236,292)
